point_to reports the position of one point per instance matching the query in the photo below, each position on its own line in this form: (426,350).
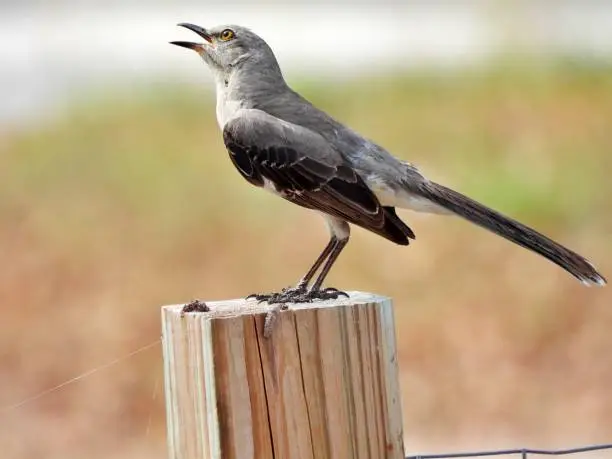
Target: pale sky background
(52,51)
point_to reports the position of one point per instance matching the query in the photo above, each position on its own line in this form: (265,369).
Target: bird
(279,141)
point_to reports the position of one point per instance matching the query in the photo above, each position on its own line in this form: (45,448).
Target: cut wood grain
(324,385)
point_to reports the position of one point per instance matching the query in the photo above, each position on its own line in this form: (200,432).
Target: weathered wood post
(323,385)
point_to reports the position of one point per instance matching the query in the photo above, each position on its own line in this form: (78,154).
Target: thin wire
(522,451)
(502,452)
(9,408)
(156,386)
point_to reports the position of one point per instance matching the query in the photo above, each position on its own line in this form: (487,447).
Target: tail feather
(510,229)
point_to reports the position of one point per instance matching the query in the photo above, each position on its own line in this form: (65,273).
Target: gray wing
(304,169)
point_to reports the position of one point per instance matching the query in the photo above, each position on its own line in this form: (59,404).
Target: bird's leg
(301,287)
(340,232)
(301,295)
(340,244)
(315,292)
(303,283)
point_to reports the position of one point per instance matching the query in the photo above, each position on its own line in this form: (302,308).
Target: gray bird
(279,141)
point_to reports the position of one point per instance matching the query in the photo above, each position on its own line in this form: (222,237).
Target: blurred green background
(119,197)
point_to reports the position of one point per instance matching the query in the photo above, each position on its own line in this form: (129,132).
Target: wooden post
(323,385)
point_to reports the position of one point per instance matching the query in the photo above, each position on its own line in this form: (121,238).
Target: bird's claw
(284,296)
(334,291)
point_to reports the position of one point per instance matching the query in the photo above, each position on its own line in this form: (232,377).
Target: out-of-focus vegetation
(129,203)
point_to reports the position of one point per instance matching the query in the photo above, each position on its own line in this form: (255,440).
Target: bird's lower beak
(195,46)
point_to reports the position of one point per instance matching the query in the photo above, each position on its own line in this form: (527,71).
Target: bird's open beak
(195,46)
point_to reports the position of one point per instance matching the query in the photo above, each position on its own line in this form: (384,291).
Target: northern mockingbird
(279,141)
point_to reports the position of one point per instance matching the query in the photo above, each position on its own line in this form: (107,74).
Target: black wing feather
(336,190)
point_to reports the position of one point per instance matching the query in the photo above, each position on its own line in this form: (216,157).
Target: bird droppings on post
(195,306)
(272,317)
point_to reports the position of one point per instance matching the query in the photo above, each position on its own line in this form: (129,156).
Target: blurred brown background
(116,197)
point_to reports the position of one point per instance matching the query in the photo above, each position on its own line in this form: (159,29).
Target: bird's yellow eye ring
(227,35)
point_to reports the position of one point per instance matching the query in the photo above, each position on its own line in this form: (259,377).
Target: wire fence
(524,452)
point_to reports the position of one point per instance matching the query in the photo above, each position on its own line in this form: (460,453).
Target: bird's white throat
(228,103)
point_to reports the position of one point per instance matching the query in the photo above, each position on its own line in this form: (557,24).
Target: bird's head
(228,48)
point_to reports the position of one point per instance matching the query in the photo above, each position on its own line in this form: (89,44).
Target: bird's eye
(227,35)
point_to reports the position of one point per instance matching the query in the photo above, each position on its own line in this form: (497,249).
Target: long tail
(510,229)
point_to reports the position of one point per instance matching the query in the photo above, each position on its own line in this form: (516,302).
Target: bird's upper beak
(195,46)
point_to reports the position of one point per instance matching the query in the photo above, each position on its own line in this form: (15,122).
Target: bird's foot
(299,294)
(286,295)
(280,301)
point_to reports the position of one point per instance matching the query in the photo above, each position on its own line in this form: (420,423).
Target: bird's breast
(226,110)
